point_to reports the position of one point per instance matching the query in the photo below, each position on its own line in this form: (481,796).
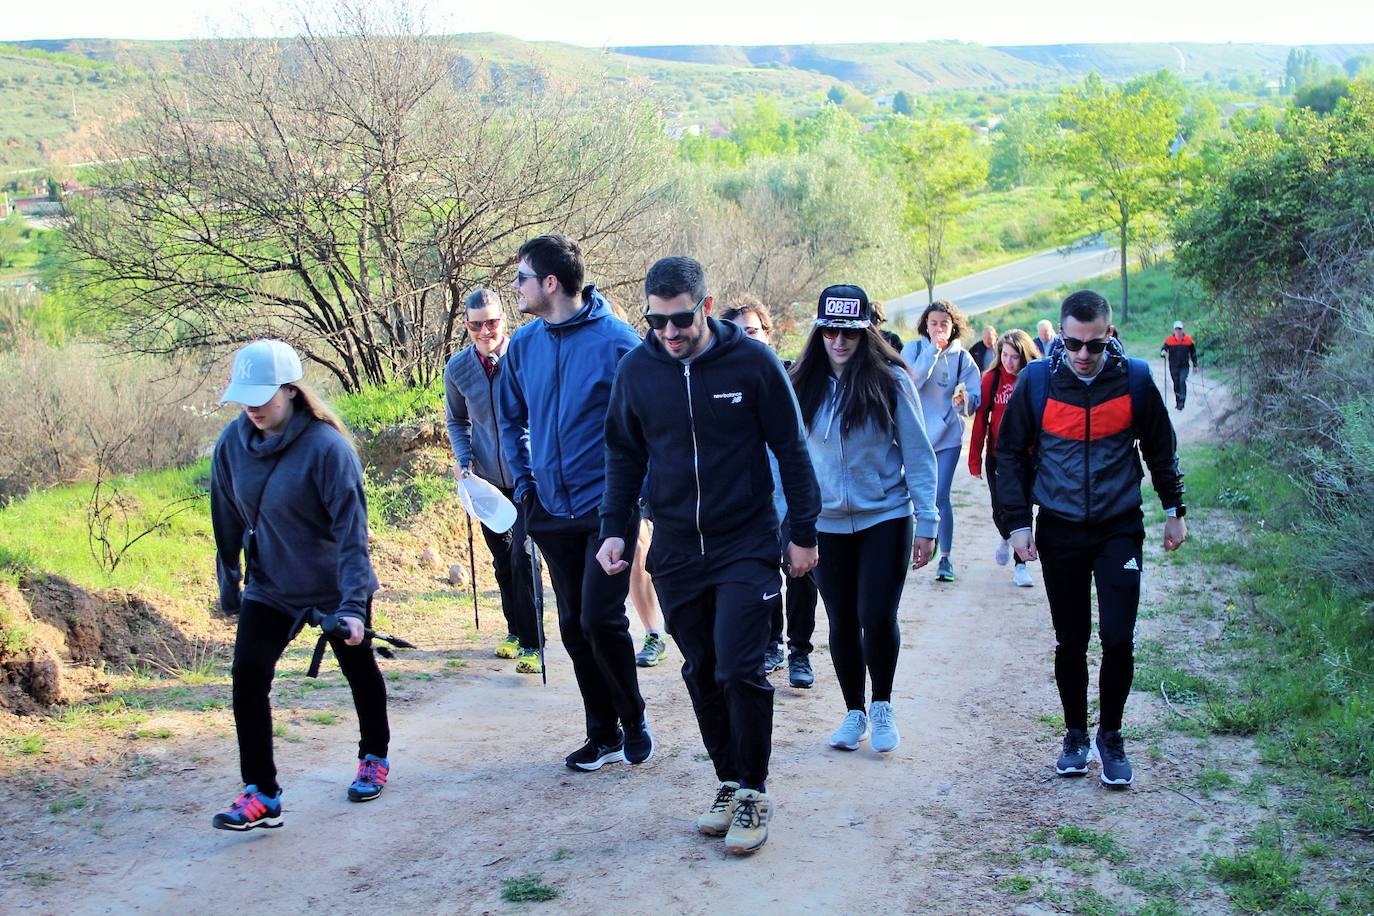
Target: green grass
(380,407)
(1104,844)
(1016,885)
(527,888)
(174,561)
(70,804)
(322,718)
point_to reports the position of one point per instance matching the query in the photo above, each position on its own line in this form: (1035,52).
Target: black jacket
(1079,459)
(701,431)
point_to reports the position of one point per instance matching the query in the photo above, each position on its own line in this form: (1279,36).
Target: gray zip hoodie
(304,489)
(936,374)
(874,475)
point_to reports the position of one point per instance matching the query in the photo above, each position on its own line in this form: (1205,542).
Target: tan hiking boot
(717,820)
(749,828)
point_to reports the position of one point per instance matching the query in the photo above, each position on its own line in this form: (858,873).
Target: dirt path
(954,821)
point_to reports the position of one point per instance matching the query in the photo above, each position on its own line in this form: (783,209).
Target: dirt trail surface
(479,794)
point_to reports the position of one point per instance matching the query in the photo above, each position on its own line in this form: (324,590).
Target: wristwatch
(1178,511)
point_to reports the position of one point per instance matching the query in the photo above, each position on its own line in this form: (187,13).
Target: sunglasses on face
(521,276)
(1073,345)
(682,320)
(491,324)
(849,333)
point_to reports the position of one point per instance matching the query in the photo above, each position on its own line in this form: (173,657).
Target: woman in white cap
(877,476)
(286,494)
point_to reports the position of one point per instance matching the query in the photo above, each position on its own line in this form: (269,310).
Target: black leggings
(263,635)
(861,577)
(1073,556)
(512,566)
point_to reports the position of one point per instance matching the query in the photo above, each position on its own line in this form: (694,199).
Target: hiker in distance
(877,473)
(697,407)
(555,384)
(1181,352)
(1068,444)
(286,496)
(471,379)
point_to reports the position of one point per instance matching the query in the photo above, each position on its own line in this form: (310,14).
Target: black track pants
(512,567)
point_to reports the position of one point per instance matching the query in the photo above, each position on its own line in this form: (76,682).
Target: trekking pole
(538,582)
(472,569)
(330,625)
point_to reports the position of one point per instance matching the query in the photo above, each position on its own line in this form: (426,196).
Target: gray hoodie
(936,374)
(304,490)
(874,474)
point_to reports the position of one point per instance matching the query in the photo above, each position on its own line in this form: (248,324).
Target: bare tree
(343,189)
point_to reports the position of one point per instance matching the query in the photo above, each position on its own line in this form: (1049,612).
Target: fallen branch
(1172,708)
(1279,622)
(1186,796)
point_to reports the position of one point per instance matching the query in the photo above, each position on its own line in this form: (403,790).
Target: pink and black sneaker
(249,810)
(371,778)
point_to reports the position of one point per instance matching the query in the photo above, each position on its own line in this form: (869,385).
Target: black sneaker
(1074,760)
(639,743)
(774,658)
(593,756)
(1116,767)
(799,673)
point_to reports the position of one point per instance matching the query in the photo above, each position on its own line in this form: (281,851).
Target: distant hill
(1222,61)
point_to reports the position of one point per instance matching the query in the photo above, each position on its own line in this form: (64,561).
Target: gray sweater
(470,413)
(874,474)
(936,374)
(309,545)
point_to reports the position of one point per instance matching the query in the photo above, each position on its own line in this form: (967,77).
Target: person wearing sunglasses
(947,380)
(471,379)
(1071,441)
(698,406)
(555,383)
(877,471)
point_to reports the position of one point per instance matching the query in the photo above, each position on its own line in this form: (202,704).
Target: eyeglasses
(681,320)
(849,333)
(521,277)
(1073,345)
(491,324)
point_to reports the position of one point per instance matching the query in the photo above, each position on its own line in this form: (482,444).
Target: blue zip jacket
(304,489)
(470,413)
(554,386)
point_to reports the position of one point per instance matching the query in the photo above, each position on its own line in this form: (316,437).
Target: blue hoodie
(304,489)
(554,385)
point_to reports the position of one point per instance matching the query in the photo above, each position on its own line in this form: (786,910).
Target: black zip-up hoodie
(1079,459)
(702,431)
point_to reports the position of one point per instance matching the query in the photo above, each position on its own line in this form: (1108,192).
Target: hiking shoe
(885,736)
(851,731)
(654,651)
(799,673)
(1074,760)
(717,819)
(944,572)
(527,662)
(639,743)
(508,647)
(593,756)
(1021,576)
(249,810)
(774,658)
(749,827)
(1003,552)
(371,779)
(1116,767)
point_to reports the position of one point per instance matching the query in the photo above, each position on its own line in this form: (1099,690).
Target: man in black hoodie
(698,405)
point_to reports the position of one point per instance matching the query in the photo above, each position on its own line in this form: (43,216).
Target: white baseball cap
(1178,325)
(259,370)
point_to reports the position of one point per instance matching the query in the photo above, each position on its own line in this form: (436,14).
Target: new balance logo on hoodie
(734,397)
(1131,564)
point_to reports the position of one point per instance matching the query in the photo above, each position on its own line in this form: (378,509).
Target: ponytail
(321,411)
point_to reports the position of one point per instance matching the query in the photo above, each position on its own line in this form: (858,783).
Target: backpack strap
(1140,381)
(1036,378)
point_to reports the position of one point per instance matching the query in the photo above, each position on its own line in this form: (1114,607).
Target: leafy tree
(938,163)
(1118,152)
(1322,97)
(1361,66)
(1013,162)
(1302,68)
(11,238)
(837,94)
(903,103)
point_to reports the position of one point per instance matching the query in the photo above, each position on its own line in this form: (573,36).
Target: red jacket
(988,420)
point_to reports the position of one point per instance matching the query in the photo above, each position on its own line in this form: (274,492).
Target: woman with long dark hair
(286,495)
(1014,350)
(877,476)
(947,381)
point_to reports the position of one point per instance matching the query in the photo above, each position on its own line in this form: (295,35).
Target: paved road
(1012,282)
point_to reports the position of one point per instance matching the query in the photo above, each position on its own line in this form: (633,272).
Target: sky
(638,22)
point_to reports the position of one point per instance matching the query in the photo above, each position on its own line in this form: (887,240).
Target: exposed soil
(961,818)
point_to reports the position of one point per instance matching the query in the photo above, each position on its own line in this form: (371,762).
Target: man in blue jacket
(470,385)
(698,406)
(555,384)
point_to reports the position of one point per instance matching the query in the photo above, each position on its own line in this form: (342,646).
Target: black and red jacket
(1078,459)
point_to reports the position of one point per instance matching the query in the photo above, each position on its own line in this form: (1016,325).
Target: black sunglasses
(681,320)
(1073,345)
(849,333)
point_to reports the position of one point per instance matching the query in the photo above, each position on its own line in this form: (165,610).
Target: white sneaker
(852,730)
(1003,553)
(885,737)
(1021,576)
